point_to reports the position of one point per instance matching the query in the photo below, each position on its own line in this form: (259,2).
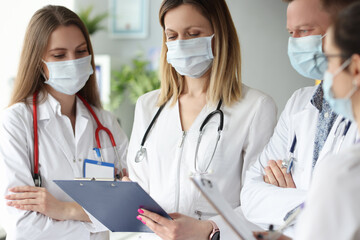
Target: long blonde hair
(29,78)
(225,79)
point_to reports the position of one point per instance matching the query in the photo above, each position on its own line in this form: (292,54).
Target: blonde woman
(201,89)
(48,130)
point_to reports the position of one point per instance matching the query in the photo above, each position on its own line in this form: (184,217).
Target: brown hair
(347,30)
(29,78)
(335,6)
(225,78)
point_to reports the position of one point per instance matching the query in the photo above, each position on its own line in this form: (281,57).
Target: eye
(82,51)
(171,37)
(59,56)
(193,34)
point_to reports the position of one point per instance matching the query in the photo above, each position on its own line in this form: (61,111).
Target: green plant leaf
(136,78)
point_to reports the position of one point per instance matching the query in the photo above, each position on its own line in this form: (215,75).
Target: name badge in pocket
(97,169)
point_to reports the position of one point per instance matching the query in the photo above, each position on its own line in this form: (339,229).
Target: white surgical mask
(191,57)
(70,76)
(301,52)
(342,106)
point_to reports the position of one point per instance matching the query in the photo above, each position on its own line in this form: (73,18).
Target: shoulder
(149,98)
(252,94)
(255,99)
(16,114)
(301,97)
(147,103)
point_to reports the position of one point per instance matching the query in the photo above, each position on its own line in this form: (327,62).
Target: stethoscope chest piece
(141,155)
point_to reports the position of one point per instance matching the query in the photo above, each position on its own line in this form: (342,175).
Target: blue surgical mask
(301,52)
(342,106)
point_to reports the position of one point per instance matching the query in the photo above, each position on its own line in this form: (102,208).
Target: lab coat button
(326,115)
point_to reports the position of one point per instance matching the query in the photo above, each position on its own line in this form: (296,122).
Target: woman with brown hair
(203,120)
(48,130)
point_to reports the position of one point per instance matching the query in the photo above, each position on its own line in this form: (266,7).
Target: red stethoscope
(100,127)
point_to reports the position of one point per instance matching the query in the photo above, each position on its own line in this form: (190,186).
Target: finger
(26,189)
(175,215)
(155,227)
(278,174)
(288,178)
(126,179)
(271,176)
(33,208)
(20,196)
(266,179)
(125,172)
(155,217)
(289,181)
(23,202)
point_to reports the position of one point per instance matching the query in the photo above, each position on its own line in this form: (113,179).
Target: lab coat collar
(49,109)
(51,103)
(318,97)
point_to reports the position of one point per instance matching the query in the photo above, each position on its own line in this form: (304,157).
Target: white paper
(238,223)
(98,171)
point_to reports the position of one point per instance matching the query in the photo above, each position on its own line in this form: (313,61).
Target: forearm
(73,211)
(266,204)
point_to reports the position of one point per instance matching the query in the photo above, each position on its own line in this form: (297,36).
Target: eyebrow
(302,25)
(57,49)
(170,30)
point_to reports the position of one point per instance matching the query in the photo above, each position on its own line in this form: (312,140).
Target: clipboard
(113,203)
(238,224)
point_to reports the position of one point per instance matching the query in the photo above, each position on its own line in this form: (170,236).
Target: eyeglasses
(321,60)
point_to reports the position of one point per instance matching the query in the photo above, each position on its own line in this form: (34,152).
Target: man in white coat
(307,129)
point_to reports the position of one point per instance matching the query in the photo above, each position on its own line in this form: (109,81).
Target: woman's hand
(180,228)
(39,200)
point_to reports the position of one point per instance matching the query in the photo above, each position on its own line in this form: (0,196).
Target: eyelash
(78,52)
(191,35)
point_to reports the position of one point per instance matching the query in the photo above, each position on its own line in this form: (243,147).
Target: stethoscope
(100,127)
(289,163)
(142,152)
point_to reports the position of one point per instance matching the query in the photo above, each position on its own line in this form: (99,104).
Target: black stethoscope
(100,127)
(142,152)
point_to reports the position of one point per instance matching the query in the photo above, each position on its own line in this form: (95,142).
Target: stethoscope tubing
(99,128)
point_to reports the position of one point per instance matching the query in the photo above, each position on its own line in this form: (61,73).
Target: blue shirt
(325,121)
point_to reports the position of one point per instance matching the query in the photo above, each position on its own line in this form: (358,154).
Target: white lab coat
(61,156)
(265,204)
(248,125)
(332,207)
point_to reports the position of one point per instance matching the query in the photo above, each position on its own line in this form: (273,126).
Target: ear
(355,68)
